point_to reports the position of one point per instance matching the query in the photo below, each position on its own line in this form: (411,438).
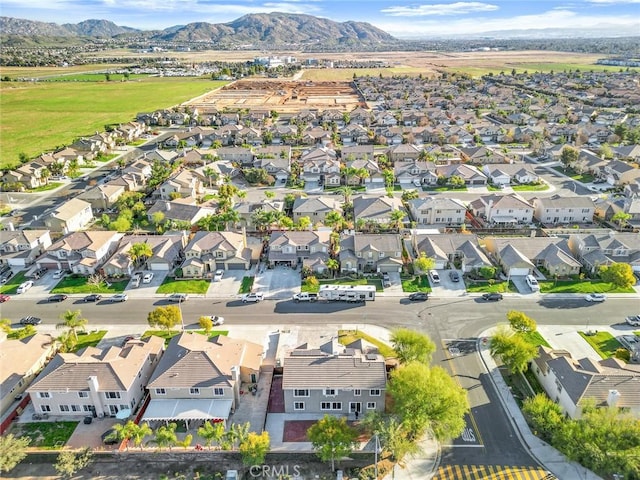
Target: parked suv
(533,283)
(433,275)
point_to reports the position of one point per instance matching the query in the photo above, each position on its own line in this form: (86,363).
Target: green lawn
(48,435)
(602,342)
(570,172)
(90,339)
(530,188)
(62,111)
(581,286)
(345,337)
(46,188)
(482,286)
(534,338)
(444,189)
(72,284)
(247,285)
(13,283)
(418,283)
(171,285)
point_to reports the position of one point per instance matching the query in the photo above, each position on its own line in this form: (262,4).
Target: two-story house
(502,209)
(293,248)
(460,251)
(71,216)
(618,173)
(334,379)
(368,253)
(183,184)
(315,208)
(414,173)
(166,254)
(377,210)
(437,211)
(99,382)
(180,211)
(598,249)
(20,248)
(207,252)
(199,378)
(563,210)
(102,197)
(505,174)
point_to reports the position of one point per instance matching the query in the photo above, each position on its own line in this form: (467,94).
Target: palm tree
(130,431)
(211,432)
(165,436)
(396,219)
(71,319)
(140,252)
(211,174)
(346,192)
(333,265)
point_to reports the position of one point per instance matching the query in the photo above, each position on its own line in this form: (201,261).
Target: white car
(58,274)
(216,320)
(595,297)
(633,320)
(25,286)
(218,275)
(252,297)
(119,297)
(147,277)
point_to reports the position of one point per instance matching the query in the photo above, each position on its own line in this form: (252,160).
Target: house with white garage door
(167,254)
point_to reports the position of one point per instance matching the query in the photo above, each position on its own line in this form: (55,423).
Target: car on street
(595,297)
(419,296)
(147,277)
(216,320)
(110,437)
(94,297)
(454,276)
(25,286)
(252,297)
(492,297)
(217,276)
(633,320)
(57,298)
(4,298)
(119,297)
(178,297)
(30,320)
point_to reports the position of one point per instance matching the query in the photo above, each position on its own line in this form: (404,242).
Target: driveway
(230,284)
(146,290)
(278,282)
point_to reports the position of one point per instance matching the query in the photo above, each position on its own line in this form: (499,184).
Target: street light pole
(376,446)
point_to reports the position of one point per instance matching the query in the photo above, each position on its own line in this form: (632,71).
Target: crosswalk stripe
(489,472)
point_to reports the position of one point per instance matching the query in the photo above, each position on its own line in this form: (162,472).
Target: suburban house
(83,253)
(292,248)
(563,210)
(21,248)
(166,254)
(508,173)
(502,209)
(377,210)
(334,379)
(249,212)
(71,216)
(98,382)
(239,155)
(618,173)
(456,250)
(316,208)
(199,379)
(414,173)
(30,175)
(598,249)
(403,152)
(20,362)
(437,211)
(102,197)
(368,253)
(183,184)
(470,174)
(569,382)
(180,211)
(207,252)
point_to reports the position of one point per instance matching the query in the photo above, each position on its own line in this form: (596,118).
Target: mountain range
(258,29)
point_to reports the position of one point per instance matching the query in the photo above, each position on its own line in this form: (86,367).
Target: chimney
(613,397)
(168,206)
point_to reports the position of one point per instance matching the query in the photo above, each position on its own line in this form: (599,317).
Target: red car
(4,298)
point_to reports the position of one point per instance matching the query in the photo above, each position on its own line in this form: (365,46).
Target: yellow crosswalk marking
(489,472)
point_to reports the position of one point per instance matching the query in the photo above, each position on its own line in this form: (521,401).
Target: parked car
(4,298)
(25,286)
(30,320)
(110,437)
(492,297)
(57,298)
(216,320)
(386,280)
(433,275)
(419,296)
(252,297)
(633,320)
(147,277)
(595,297)
(6,276)
(94,297)
(218,275)
(87,420)
(178,297)
(119,297)
(58,274)
(454,276)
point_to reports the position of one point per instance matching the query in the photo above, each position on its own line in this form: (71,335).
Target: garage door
(389,268)
(236,266)
(514,272)
(159,267)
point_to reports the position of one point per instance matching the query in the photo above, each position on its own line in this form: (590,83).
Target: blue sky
(401,18)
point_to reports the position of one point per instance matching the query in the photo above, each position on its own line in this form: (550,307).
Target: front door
(355,407)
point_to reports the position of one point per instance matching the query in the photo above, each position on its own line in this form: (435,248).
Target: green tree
(165,317)
(73,321)
(515,351)
(332,438)
(487,272)
(392,434)
(206,323)
(165,436)
(456,181)
(427,397)
(333,218)
(619,274)
(303,223)
(412,346)
(409,195)
(621,218)
(423,263)
(254,449)
(140,252)
(121,224)
(211,432)
(12,451)
(569,156)
(157,218)
(397,217)
(131,431)
(186,441)
(520,322)
(544,415)
(333,265)
(68,462)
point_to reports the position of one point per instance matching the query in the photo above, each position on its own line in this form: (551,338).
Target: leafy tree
(621,218)
(186,441)
(206,324)
(520,322)
(423,263)
(456,181)
(140,252)
(427,397)
(392,435)
(397,217)
(12,451)
(211,432)
(165,317)
(237,434)
(333,265)
(165,436)
(303,223)
(487,272)
(515,351)
(72,320)
(132,431)
(409,195)
(412,346)
(69,462)
(254,449)
(332,438)
(157,218)
(545,415)
(620,274)
(333,218)
(569,155)
(121,224)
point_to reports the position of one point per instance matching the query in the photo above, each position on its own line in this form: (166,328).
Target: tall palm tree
(72,320)
(211,174)
(333,265)
(140,252)
(166,436)
(211,432)
(396,219)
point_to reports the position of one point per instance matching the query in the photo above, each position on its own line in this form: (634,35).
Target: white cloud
(613,2)
(458,8)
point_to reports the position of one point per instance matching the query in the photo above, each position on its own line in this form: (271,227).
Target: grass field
(48,435)
(603,343)
(345,74)
(581,286)
(195,286)
(40,116)
(73,284)
(345,337)
(90,339)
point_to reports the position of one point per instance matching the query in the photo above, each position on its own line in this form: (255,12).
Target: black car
(57,298)
(454,276)
(30,320)
(419,296)
(94,297)
(110,437)
(492,297)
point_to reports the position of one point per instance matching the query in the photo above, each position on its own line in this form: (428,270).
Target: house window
(298,405)
(75,408)
(371,405)
(64,408)
(44,395)
(329,392)
(331,406)
(301,393)
(559,386)
(161,391)
(194,391)
(112,395)
(218,391)
(357,392)
(83,394)
(86,408)
(45,408)
(374,392)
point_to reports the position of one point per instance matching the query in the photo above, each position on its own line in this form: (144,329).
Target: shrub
(623,354)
